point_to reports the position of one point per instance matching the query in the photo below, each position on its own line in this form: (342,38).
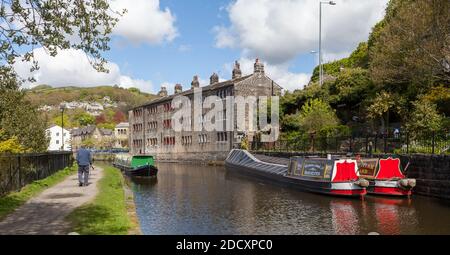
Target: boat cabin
(142,160)
(333,170)
(381,169)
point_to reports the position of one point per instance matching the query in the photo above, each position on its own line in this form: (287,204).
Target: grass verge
(107,214)
(13,200)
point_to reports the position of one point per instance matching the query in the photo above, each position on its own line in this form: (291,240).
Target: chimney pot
(178,88)
(237,73)
(195,83)
(214,78)
(259,67)
(162,92)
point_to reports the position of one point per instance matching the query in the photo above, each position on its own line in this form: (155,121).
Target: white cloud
(144,22)
(277,31)
(72,68)
(184,48)
(279,73)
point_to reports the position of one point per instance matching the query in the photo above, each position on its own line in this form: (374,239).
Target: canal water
(195,199)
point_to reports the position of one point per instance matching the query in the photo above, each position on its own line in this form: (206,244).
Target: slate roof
(83,131)
(205,88)
(123,125)
(91,129)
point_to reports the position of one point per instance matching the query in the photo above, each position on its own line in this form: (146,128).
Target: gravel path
(45,214)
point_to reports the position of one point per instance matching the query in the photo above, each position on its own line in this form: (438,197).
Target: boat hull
(143,171)
(343,189)
(387,188)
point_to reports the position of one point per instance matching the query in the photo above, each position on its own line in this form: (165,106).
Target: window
(153,110)
(57,141)
(57,133)
(186,140)
(167,123)
(222,137)
(169,140)
(152,142)
(202,138)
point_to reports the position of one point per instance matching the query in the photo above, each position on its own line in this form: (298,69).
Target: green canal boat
(138,165)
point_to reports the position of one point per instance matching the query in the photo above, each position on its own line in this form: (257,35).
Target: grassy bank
(13,200)
(107,214)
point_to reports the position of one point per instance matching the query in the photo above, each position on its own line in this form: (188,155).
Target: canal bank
(45,213)
(110,212)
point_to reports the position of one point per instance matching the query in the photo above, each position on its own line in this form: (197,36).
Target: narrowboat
(385,177)
(326,176)
(138,165)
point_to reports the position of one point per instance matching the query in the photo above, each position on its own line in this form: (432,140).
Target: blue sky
(168,41)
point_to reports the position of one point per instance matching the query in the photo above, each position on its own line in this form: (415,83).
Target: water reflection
(192,199)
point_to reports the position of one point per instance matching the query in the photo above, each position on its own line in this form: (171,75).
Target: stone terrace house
(121,135)
(151,130)
(102,138)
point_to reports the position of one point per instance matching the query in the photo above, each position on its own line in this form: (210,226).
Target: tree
(89,143)
(353,85)
(67,122)
(119,117)
(55,25)
(11,145)
(411,51)
(379,109)
(109,126)
(100,119)
(19,119)
(85,119)
(424,117)
(316,115)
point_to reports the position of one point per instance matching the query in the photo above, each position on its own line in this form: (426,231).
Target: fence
(405,143)
(19,170)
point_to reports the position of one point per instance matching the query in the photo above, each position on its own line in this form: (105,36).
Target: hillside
(47,95)
(104,106)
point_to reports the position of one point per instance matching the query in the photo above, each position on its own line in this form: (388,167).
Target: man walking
(84,161)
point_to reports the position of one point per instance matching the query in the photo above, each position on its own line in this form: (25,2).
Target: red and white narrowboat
(385,177)
(326,176)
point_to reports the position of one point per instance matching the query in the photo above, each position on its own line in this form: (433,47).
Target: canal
(195,199)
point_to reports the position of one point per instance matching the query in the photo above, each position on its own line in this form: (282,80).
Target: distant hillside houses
(99,138)
(93,108)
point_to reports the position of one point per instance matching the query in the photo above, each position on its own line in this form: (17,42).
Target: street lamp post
(62,108)
(320,39)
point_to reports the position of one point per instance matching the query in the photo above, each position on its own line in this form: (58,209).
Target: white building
(56,135)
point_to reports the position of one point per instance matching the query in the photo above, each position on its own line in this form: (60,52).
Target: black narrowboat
(326,176)
(139,165)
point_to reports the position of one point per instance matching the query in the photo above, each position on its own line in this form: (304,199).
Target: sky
(164,42)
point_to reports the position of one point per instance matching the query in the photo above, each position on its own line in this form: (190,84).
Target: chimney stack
(162,92)
(195,83)
(237,73)
(178,88)
(259,67)
(214,79)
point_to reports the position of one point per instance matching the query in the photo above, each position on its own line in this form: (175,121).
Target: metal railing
(401,143)
(18,170)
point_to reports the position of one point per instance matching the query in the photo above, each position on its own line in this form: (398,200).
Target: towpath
(45,214)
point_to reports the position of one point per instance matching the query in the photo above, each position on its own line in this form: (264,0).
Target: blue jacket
(84,157)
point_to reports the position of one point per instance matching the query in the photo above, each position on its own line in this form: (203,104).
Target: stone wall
(432,172)
(195,157)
